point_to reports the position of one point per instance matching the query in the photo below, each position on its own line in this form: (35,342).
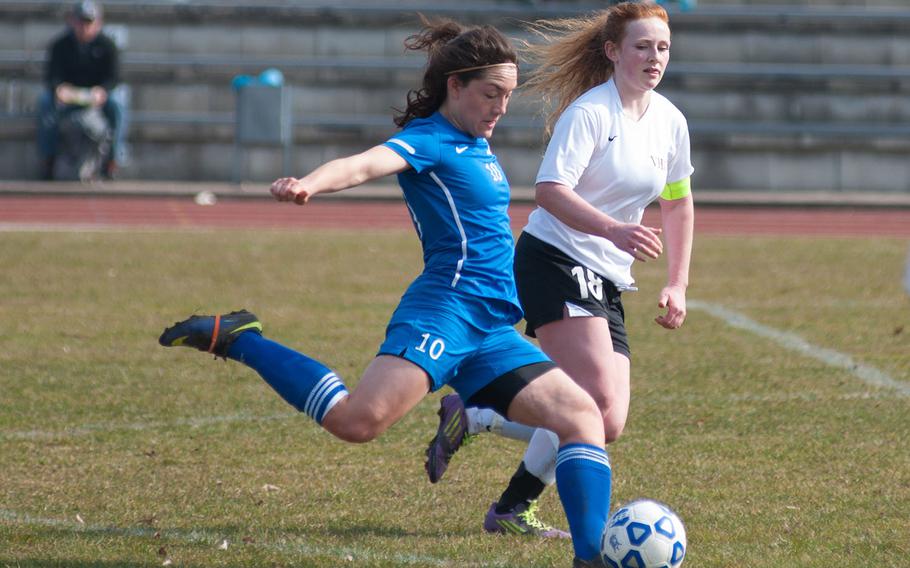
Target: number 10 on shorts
(436,348)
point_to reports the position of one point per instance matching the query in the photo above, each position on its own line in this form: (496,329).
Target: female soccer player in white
(616,146)
(454,324)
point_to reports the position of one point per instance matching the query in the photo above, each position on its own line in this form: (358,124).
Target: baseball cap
(87,10)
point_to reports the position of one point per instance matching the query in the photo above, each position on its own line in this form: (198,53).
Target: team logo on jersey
(659,162)
(460,149)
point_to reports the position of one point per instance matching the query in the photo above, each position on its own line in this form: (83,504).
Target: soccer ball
(643,534)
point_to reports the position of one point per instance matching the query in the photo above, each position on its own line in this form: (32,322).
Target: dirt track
(107,212)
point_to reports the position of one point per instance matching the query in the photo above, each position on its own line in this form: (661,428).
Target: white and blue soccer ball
(643,534)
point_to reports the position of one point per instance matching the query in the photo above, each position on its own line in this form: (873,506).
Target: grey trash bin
(263,118)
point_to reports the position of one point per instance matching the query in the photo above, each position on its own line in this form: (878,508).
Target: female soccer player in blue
(454,325)
(616,145)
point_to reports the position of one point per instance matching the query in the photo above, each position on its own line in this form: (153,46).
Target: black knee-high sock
(524,487)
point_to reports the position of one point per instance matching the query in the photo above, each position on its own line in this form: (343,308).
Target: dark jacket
(94,64)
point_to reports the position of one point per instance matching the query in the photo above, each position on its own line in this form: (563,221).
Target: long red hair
(571,59)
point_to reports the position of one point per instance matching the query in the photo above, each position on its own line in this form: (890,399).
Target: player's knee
(357,434)
(614,420)
(358,430)
(582,421)
(614,413)
(612,429)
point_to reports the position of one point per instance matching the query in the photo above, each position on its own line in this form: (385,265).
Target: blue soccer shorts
(454,351)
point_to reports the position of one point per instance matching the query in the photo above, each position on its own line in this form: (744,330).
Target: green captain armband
(677,189)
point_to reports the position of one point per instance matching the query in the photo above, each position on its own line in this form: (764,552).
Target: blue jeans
(50,112)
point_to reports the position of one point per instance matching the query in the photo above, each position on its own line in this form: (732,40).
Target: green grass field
(116,452)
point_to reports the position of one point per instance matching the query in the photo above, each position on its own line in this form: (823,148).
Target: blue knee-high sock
(306,384)
(583,480)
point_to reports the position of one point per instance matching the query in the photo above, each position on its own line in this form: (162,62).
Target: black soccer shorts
(548,279)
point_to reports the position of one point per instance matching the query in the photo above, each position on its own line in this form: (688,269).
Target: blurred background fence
(804,96)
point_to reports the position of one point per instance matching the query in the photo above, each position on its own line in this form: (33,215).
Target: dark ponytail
(451,47)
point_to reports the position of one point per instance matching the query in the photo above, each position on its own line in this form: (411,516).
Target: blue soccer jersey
(458,197)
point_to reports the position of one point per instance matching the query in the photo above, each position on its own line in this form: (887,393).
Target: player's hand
(290,189)
(673,298)
(638,240)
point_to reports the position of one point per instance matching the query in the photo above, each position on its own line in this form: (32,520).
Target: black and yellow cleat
(212,334)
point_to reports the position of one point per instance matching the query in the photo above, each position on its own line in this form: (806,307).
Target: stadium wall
(790,97)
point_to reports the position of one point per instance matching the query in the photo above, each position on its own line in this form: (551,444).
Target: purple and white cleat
(450,435)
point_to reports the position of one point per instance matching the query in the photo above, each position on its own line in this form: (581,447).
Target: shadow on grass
(361,530)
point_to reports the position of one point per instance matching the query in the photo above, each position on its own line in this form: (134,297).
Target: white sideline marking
(209,538)
(866,373)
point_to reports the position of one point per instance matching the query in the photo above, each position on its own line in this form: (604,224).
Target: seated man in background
(81,70)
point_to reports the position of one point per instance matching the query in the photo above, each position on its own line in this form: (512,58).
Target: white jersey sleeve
(571,147)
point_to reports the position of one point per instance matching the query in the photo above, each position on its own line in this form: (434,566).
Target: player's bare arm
(340,174)
(563,203)
(678,220)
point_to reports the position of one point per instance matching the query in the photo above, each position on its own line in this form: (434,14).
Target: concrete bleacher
(778,97)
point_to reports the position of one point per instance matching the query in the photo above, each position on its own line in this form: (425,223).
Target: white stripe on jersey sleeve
(410,149)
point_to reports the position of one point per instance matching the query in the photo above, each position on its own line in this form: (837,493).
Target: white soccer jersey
(617,165)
